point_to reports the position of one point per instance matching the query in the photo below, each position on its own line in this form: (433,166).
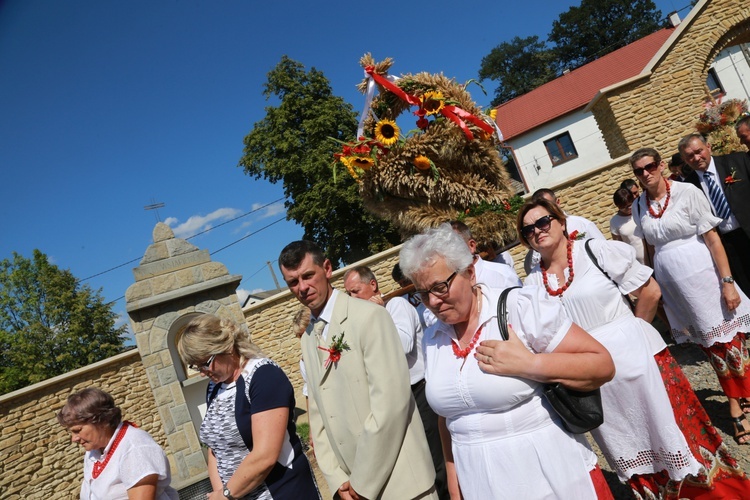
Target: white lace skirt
(691,289)
(639,434)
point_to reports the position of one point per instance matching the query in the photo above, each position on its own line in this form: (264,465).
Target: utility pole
(273,274)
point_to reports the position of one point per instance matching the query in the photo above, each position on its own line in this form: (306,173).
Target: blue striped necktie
(717,197)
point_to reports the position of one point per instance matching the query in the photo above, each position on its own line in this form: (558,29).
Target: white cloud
(242,295)
(198,223)
(270,210)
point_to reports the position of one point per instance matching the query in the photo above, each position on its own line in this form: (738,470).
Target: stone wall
(659,108)
(38,458)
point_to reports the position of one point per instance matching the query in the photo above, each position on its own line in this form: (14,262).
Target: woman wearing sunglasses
(254,450)
(702,302)
(654,448)
(500,439)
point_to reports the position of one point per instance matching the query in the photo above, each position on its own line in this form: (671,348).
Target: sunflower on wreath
(360,156)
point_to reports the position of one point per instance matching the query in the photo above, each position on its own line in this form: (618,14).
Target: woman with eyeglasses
(500,437)
(655,430)
(702,302)
(254,451)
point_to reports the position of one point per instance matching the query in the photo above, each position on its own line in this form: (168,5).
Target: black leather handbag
(580,411)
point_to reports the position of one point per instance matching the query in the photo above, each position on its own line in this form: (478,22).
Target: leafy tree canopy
(49,323)
(293,144)
(597,27)
(519,66)
(580,35)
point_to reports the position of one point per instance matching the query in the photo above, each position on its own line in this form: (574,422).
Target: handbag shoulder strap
(596,263)
(502,312)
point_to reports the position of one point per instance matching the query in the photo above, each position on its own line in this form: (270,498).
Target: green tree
(519,66)
(292,144)
(49,323)
(597,27)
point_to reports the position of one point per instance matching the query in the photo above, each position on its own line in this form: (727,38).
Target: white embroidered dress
(506,441)
(683,266)
(639,434)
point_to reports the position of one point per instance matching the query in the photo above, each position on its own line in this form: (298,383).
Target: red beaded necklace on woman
(651,210)
(99,465)
(462,353)
(560,290)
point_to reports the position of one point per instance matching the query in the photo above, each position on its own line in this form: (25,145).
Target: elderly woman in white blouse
(500,437)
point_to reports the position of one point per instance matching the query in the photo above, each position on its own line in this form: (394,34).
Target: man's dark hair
(462,229)
(627,184)
(622,197)
(745,120)
(542,193)
(294,253)
(397,274)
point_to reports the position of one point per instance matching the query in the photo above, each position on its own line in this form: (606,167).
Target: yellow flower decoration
(422,163)
(433,102)
(363,162)
(493,113)
(386,132)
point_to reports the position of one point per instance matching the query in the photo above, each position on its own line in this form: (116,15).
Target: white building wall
(732,66)
(534,162)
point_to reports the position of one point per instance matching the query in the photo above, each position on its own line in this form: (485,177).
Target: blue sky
(109,106)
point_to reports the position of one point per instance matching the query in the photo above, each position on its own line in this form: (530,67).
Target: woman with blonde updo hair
(254,450)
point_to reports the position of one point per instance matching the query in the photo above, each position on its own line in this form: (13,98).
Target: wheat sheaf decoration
(447,166)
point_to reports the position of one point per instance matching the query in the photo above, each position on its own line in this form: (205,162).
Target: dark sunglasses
(650,167)
(204,366)
(542,224)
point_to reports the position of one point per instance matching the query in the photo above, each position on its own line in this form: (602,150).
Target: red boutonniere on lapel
(731,179)
(575,235)
(334,352)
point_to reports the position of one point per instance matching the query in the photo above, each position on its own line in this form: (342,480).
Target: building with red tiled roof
(554,135)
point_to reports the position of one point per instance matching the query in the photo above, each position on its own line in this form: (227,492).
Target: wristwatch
(727,279)
(228,493)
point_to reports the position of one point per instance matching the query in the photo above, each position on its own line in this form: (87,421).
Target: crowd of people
(440,394)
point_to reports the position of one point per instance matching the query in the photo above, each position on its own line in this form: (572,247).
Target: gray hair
(688,139)
(364,274)
(425,248)
(206,335)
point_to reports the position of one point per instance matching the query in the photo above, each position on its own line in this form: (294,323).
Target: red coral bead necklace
(462,353)
(571,274)
(663,209)
(100,465)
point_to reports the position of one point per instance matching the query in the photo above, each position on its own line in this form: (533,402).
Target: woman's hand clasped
(503,357)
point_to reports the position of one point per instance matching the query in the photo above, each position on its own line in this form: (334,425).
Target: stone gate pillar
(175,282)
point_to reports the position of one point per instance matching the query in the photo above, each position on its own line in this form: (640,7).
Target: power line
(193,236)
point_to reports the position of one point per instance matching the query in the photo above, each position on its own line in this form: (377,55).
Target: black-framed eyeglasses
(542,224)
(205,366)
(438,289)
(650,167)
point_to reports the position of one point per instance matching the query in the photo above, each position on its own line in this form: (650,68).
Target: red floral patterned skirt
(731,363)
(721,476)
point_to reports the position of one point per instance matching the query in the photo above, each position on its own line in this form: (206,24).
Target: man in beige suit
(369,440)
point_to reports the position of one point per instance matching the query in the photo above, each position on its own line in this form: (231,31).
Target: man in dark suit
(731,174)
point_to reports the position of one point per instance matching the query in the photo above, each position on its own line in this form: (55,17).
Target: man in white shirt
(579,226)
(622,225)
(492,274)
(360,282)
